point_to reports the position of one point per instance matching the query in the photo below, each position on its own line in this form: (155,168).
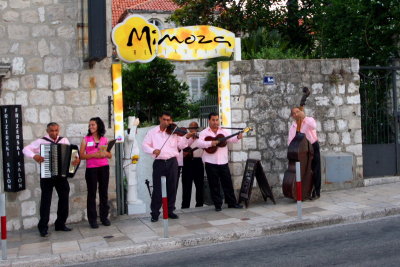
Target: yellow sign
(140,41)
(224,93)
(118,103)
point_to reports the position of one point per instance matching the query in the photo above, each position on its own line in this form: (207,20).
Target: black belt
(165,160)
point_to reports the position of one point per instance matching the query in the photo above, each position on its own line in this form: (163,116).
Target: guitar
(222,140)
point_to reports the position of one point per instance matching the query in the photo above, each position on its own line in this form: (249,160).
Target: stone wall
(334,102)
(42,41)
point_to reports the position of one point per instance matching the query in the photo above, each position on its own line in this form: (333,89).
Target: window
(196,83)
(156,22)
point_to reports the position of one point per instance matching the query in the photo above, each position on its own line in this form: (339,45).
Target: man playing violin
(193,170)
(216,164)
(308,127)
(163,145)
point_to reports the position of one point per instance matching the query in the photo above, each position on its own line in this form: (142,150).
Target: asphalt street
(368,243)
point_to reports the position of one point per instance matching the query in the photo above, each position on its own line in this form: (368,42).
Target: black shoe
(63,228)
(154,219)
(173,216)
(94,225)
(199,205)
(106,222)
(235,206)
(43,233)
(218,209)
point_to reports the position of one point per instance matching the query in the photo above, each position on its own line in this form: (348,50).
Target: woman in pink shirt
(309,128)
(97,171)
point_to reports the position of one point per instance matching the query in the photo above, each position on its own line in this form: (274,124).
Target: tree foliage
(364,29)
(153,87)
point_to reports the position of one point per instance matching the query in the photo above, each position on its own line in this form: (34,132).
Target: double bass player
(308,127)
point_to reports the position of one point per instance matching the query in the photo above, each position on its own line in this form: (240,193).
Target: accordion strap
(56,142)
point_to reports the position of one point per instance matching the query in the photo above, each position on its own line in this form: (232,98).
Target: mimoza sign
(137,40)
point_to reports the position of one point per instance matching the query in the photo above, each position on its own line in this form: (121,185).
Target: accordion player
(58,160)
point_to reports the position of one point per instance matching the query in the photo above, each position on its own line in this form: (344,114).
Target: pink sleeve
(32,149)
(310,122)
(147,144)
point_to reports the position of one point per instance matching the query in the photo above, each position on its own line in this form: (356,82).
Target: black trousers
(169,169)
(193,171)
(97,176)
(316,168)
(62,188)
(217,174)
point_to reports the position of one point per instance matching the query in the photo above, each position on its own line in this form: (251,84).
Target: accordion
(58,160)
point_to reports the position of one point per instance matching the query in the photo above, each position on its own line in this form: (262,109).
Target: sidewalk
(129,235)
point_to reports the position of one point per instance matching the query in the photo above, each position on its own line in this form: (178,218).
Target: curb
(168,244)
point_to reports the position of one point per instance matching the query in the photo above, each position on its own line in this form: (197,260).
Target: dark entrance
(380,120)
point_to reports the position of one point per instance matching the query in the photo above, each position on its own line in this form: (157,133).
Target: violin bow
(168,138)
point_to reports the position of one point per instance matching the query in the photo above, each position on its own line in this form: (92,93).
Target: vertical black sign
(12,145)
(254,168)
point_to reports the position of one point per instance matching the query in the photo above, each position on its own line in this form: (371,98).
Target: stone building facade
(334,103)
(42,41)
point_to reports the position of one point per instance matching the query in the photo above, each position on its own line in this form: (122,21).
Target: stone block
(259,65)
(42,81)
(53,64)
(77,130)
(354,65)
(8,99)
(317,88)
(313,66)
(235,89)
(44,116)
(275,141)
(333,139)
(18,32)
(42,31)
(24,195)
(238,67)
(43,48)
(55,13)
(27,82)
(28,208)
(236,115)
(358,136)
(66,32)
(326,67)
(355,149)
(34,65)
(29,48)
(254,155)
(322,101)
(346,140)
(61,113)
(235,79)
(329,125)
(274,66)
(71,80)
(341,125)
(18,66)
(352,88)
(13,224)
(19,4)
(21,98)
(60,48)
(31,115)
(41,97)
(11,84)
(41,13)
(239,156)
(28,135)
(30,222)
(11,16)
(77,98)
(249,143)
(30,16)
(355,123)
(337,101)
(55,82)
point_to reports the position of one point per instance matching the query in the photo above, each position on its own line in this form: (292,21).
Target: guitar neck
(229,136)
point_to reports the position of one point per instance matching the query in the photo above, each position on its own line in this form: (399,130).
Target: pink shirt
(91,148)
(308,127)
(155,139)
(34,148)
(220,157)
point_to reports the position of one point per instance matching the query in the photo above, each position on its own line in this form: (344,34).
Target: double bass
(299,150)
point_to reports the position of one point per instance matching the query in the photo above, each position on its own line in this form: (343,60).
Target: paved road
(368,243)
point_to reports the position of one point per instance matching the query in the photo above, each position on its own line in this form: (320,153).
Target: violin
(222,140)
(302,151)
(174,129)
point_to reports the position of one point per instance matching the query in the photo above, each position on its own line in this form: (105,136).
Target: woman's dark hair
(101,129)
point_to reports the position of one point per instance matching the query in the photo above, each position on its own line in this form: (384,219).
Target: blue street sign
(269,80)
